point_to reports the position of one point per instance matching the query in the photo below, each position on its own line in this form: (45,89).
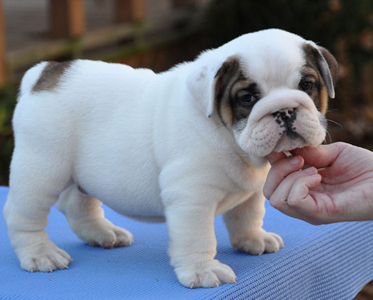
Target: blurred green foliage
(319,20)
(322,21)
(8,95)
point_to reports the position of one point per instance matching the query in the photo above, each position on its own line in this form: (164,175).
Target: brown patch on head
(322,69)
(332,63)
(324,99)
(228,73)
(318,93)
(51,76)
(230,84)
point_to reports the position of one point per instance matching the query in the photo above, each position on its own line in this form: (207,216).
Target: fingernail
(310,170)
(294,160)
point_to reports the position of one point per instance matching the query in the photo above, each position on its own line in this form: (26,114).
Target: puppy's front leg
(190,220)
(244,223)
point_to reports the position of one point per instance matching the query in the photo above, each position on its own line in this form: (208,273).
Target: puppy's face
(272,92)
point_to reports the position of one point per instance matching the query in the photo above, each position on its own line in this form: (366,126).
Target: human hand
(342,190)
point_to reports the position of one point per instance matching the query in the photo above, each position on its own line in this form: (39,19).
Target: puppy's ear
(326,64)
(204,80)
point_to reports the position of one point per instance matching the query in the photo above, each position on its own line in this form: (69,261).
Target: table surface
(318,262)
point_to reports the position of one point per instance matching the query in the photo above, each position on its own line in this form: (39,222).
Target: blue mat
(318,262)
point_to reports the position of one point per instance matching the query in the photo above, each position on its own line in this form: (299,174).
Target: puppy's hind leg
(86,218)
(35,184)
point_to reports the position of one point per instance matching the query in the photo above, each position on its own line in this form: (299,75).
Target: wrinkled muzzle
(283,120)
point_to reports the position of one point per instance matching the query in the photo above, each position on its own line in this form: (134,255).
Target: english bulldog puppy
(183,146)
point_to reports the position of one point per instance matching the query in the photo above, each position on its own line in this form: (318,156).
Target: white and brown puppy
(184,145)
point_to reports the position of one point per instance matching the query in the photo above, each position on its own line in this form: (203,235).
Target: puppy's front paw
(44,257)
(205,274)
(259,242)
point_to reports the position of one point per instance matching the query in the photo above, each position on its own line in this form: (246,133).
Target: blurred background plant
(7,104)
(160,33)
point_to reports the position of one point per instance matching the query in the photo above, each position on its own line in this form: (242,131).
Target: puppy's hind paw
(102,233)
(259,242)
(206,274)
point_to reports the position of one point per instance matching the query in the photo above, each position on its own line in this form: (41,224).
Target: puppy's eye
(306,86)
(247,99)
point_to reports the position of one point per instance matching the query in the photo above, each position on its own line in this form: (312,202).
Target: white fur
(142,144)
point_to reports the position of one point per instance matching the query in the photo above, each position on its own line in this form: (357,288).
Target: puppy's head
(270,88)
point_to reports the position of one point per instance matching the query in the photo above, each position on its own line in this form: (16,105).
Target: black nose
(285,118)
(288,114)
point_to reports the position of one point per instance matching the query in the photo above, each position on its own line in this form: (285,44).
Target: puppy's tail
(30,78)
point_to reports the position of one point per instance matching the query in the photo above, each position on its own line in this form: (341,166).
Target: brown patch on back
(51,76)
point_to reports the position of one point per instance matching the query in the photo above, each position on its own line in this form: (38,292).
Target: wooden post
(2,47)
(129,10)
(67,18)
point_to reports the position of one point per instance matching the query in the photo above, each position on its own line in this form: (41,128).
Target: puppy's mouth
(292,135)
(284,130)
(290,140)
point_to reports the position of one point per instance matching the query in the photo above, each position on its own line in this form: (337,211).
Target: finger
(282,203)
(320,156)
(275,156)
(279,171)
(306,204)
(298,187)
(282,192)
(292,212)
(299,197)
